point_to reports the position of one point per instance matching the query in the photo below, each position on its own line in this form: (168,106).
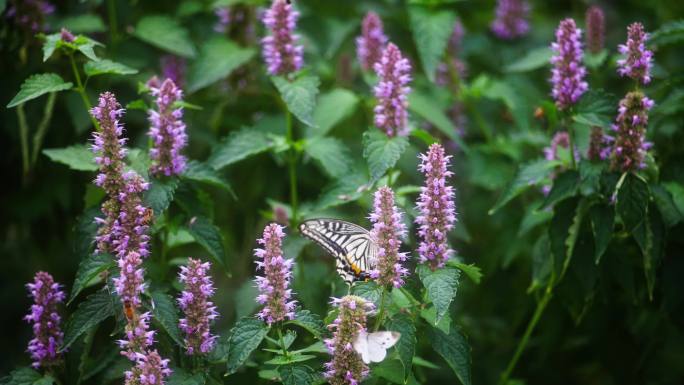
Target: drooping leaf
(203,173)
(632,201)
(527,176)
(564,186)
(441,286)
(455,350)
(209,237)
(299,95)
(332,108)
(309,321)
(95,309)
(38,85)
(382,152)
(88,269)
(297,374)
(160,194)
(602,220)
(166,313)
(245,336)
(77,157)
(427,109)
(165,33)
(240,145)
(406,345)
(431,31)
(217,59)
(332,155)
(534,59)
(105,66)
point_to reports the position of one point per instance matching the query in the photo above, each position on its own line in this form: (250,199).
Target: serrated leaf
(602,219)
(84,23)
(240,145)
(203,173)
(309,321)
(160,194)
(564,186)
(431,31)
(77,157)
(297,375)
(426,108)
(332,155)
(455,350)
(370,291)
(406,345)
(632,201)
(105,66)
(88,269)
(217,59)
(563,231)
(166,313)
(245,336)
(382,152)
(471,270)
(332,108)
(534,59)
(38,85)
(165,33)
(95,309)
(209,237)
(441,286)
(299,95)
(528,175)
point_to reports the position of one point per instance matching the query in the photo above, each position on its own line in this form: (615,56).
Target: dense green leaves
(88,269)
(38,85)
(564,186)
(602,221)
(245,336)
(297,375)
(165,33)
(534,59)
(406,345)
(370,291)
(204,173)
(426,108)
(240,145)
(309,321)
(181,377)
(668,33)
(332,155)
(209,237)
(431,31)
(299,96)
(27,376)
(95,309)
(77,157)
(441,286)
(382,152)
(217,59)
(632,200)
(102,67)
(455,350)
(160,194)
(527,176)
(332,108)
(165,312)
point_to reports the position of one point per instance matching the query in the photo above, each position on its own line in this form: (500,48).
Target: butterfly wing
(361,346)
(351,245)
(378,343)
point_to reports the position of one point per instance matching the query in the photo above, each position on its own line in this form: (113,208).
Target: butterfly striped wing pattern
(351,245)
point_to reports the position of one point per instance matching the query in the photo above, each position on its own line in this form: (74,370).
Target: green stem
(528,332)
(381,313)
(292,165)
(81,91)
(281,340)
(571,142)
(111,10)
(43,126)
(23,137)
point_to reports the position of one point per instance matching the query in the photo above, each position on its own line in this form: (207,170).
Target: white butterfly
(373,346)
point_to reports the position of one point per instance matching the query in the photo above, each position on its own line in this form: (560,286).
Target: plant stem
(23,137)
(571,142)
(281,340)
(81,90)
(292,165)
(43,126)
(381,313)
(111,10)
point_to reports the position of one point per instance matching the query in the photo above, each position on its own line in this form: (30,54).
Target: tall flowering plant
(567,75)
(47,333)
(637,60)
(280,49)
(394,73)
(274,285)
(388,229)
(167,130)
(195,303)
(370,44)
(511,19)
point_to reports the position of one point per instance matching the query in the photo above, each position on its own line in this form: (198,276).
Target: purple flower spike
(274,286)
(30,15)
(599,145)
(371,43)
(637,62)
(149,369)
(511,19)
(280,50)
(346,366)
(198,309)
(139,337)
(437,209)
(568,73)
(47,334)
(596,24)
(131,283)
(223,15)
(174,68)
(388,229)
(167,131)
(394,73)
(630,146)
(130,228)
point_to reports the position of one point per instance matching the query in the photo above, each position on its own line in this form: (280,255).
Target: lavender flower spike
(149,369)
(599,145)
(630,147)
(174,68)
(568,73)
(637,61)
(198,309)
(394,72)
(596,24)
(388,229)
(437,209)
(139,337)
(47,334)
(346,366)
(370,44)
(167,131)
(274,286)
(280,49)
(511,19)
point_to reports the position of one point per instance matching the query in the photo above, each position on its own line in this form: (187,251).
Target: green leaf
(430,316)
(240,145)
(77,157)
(632,201)
(382,152)
(160,194)
(666,205)
(38,85)
(595,60)
(309,321)
(668,33)
(95,309)
(297,375)
(390,370)
(472,271)
(425,107)
(602,221)
(406,345)
(431,31)
(455,350)
(299,95)
(564,186)
(344,190)
(209,237)
(84,23)
(86,46)
(52,42)
(166,313)
(332,155)
(165,33)
(332,108)
(180,377)
(528,175)
(105,66)
(563,231)
(370,291)
(245,336)
(203,173)
(534,59)
(27,376)
(217,59)
(441,286)
(290,359)
(88,269)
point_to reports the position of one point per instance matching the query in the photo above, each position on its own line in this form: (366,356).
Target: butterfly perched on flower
(372,347)
(354,251)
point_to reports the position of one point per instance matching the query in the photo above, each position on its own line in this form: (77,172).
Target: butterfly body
(372,347)
(354,251)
